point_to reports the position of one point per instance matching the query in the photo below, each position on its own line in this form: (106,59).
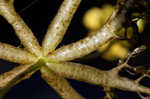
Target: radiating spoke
(59,25)
(95,76)
(22,30)
(14,54)
(59,84)
(16,75)
(78,72)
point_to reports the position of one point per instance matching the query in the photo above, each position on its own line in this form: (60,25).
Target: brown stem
(92,75)
(61,86)
(16,75)
(59,25)
(22,30)
(14,54)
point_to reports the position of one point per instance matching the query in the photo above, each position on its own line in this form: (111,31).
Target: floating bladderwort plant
(54,63)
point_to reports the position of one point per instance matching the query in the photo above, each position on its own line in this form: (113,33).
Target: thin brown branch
(12,83)
(9,79)
(14,54)
(59,25)
(79,72)
(22,30)
(109,93)
(16,75)
(92,75)
(61,86)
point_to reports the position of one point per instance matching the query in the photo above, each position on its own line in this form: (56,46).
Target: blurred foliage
(96,17)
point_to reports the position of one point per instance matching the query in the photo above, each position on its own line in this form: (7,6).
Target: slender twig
(9,79)
(22,30)
(14,54)
(59,25)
